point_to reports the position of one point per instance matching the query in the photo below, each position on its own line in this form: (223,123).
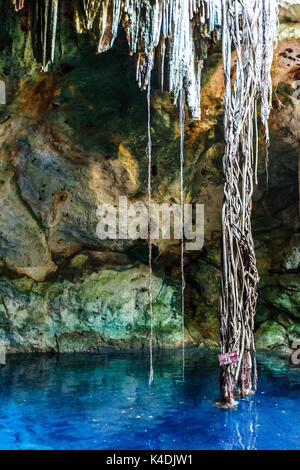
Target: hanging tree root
(249,28)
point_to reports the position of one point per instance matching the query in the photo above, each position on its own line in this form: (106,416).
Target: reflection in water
(104,402)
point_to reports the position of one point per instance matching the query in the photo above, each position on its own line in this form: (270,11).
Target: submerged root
(232,405)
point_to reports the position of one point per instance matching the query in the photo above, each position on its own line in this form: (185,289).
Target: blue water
(104,402)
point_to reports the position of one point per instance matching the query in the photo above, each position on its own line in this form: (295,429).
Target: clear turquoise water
(104,402)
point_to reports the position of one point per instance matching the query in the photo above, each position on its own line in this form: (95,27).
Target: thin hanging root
(149,155)
(181,120)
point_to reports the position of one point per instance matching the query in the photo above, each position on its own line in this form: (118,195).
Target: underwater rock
(209,344)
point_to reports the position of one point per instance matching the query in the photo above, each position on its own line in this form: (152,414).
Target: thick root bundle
(249,30)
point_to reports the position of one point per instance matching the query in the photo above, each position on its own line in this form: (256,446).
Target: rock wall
(75,137)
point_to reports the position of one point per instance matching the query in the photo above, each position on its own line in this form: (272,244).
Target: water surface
(104,402)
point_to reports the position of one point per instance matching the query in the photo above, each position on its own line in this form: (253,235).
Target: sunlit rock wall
(76,137)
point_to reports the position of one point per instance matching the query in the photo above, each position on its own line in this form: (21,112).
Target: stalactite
(86,15)
(109,23)
(172,31)
(19,4)
(249,29)
(43,30)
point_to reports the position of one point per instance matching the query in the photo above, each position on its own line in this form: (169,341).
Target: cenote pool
(103,401)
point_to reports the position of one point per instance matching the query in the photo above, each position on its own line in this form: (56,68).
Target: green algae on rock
(88,315)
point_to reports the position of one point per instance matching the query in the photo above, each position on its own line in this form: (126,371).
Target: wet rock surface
(76,137)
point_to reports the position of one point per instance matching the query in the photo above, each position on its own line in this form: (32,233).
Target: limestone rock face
(271,335)
(19,230)
(76,137)
(106,309)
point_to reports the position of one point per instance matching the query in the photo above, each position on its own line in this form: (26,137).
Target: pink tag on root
(228,358)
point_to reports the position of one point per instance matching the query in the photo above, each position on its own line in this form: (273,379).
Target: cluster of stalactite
(173,34)
(43,30)
(19,4)
(43,25)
